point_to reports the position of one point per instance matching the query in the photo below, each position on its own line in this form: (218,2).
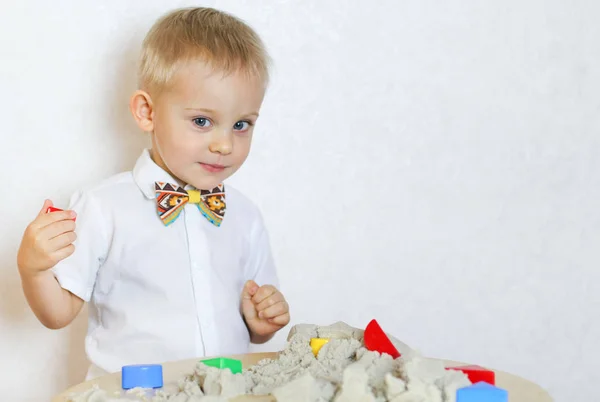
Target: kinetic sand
(342,371)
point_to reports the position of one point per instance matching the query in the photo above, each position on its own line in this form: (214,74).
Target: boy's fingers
(57,228)
(49,218)
(270,301)
(274,310)
(280,319)
(63,253)
(62,241)
(263,292)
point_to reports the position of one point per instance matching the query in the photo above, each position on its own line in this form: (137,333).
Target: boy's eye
(241,125)
(201,122)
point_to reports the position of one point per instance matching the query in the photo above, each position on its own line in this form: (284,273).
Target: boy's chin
(208,183)
(204,179)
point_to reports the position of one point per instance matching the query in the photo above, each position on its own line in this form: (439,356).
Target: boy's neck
(160,163)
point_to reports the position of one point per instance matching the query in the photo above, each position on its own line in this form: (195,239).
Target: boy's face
(202,126)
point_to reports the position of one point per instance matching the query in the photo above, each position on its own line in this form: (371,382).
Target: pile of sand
(343,371)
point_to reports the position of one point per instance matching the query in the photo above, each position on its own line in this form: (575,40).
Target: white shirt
(158,293)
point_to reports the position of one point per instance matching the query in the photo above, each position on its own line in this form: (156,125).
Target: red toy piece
(376,340)
(477,374)
(52,209)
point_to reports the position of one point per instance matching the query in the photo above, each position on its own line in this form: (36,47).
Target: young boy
(173,263)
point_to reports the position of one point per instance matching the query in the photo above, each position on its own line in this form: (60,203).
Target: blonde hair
(221,40)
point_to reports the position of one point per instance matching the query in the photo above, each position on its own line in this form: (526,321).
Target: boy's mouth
(212,168)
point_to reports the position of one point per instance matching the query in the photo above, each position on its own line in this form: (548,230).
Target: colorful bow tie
(171,198)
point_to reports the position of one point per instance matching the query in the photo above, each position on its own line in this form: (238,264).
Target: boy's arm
(58,266)
(264,307)
(46,241)
(54,306)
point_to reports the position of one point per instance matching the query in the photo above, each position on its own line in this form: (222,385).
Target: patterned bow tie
(171,198)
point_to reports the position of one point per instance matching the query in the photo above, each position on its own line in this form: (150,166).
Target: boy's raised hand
(47,240)
(264,309)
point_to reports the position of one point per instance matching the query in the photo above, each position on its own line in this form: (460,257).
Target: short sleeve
(77,273)
(261,266)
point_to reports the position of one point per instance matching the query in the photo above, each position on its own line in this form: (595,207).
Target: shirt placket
(200,270)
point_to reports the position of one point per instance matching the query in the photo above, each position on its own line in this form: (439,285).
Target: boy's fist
(47,240)
(264,309)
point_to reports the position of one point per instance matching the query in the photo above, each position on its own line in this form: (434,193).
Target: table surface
(519,389)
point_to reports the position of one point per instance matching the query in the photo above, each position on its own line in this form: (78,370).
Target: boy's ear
(140,106)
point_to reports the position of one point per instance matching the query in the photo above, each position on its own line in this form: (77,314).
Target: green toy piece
(222,363)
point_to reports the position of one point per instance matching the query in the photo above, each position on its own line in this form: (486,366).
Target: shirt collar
(146,172)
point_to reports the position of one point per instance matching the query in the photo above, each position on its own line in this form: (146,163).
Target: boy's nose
(221,143)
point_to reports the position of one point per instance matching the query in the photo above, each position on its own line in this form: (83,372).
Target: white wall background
(432,164)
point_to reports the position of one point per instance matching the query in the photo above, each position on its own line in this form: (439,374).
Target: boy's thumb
(250,288)
(47,204)
(248,309)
